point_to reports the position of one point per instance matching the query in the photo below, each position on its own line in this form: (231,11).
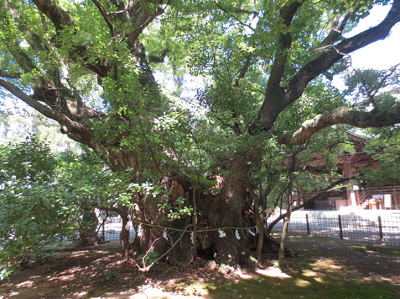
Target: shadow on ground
(324,268)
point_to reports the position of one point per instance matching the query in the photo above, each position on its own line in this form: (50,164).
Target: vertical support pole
(380,229)
(103,217)
(340,227)
(308,226)
(396,203)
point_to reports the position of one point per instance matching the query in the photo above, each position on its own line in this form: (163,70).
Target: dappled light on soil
(25,284)
(323,269)
(326,265)
(302,283)
(273,272)
(310,273)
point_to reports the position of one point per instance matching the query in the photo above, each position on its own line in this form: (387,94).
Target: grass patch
(304,287)
(380,249)
(315,273)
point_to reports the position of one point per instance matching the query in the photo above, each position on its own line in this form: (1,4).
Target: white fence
(374,226)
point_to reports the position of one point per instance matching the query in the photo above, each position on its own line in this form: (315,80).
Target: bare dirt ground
(102,272)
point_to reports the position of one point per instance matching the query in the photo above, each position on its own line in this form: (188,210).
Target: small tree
(44,201)
(34,211)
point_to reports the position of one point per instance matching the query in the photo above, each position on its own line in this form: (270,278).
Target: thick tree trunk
(89,234)
(124,235)
(155,232)
(142,219)
(285,229)
(282,249)
(225,212)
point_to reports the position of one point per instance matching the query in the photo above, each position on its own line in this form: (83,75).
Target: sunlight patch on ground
(326,265)
(395,279)
(309,273)
(302,283)
(35,276)
(14,293)
(187,287)
(155,292)
(65,277)
(80,295)
(25,284)
(80,253)
(318,279)
(273,272)
(242,275)
(317,276)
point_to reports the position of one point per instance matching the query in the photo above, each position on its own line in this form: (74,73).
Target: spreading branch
(43,109)
(274,89)
(105,17)
(238,11)
(142,19)
(10,75)
(314,197)
(372,92)
(75,130)
(59,17)
(335,34)
(278,98)
(64,24)
(322,63)
(342,115)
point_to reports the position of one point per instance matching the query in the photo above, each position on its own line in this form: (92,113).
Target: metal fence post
(380,229)
(308,225)
(340,227)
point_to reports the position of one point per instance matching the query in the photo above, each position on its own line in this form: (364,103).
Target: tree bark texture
(226,210)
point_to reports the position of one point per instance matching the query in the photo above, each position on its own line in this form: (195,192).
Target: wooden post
(396,204)
(380,229)
(340,227)
(348,173)
(308,226)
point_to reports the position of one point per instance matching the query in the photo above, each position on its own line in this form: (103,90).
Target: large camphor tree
(188,98)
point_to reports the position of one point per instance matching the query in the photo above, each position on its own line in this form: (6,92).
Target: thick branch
(243,70)
(141,19)
(234,17)
(46,111)
(296,86)
(105,17)
(276,101)
(274,90)
(19,55)
(61,20)
(59,17)
(335,33)
(10,75)
(32,38)
(342,115)
(38,45)
(285,42)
